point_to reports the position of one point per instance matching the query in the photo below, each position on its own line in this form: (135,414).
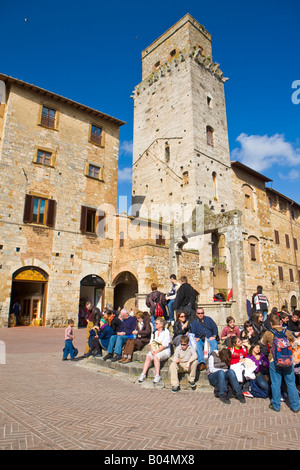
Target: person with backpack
(156,301)
(260,302)
(186,299)
(281,364)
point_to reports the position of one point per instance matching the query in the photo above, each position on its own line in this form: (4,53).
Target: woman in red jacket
(238,355)
(238,350)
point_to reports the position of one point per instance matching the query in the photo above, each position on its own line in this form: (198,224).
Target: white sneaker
(142,377)
(157,379)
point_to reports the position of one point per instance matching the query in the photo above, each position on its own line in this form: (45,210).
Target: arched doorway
(293,303)
(125,290)
(92,289)
(29,291)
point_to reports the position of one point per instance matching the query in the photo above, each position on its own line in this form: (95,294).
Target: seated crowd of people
(241,362)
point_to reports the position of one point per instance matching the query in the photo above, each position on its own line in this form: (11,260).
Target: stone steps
(132,371)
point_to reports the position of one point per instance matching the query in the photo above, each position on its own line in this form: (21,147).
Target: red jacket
(237,354)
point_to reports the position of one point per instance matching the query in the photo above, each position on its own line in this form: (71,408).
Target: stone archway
(92,288)
(125,290)
(28,296)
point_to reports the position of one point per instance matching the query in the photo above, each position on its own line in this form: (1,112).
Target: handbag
(155,345)
(206,348)
(192,340)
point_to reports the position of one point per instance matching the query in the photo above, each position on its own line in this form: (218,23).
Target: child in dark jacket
(99,337)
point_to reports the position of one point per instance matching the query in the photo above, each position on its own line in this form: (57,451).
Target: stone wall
(63,251)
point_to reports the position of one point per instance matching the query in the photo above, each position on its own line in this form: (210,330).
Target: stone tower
(181,153)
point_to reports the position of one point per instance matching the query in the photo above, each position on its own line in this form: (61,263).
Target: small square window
(94,171)
(43,157)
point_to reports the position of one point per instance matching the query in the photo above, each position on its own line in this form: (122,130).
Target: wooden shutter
(287,241)
(28,209)
(252,251)
(83,218)
(276,237)
(51,212)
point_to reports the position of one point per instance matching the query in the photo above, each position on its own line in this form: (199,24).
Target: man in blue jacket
(204,327)
(117,341)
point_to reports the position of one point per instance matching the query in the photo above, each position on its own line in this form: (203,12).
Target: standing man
(93,316)
(186,298)
(204,327)
(156,301)
(278,373)
(260,302)
(16,311)
(117,341)
(170,297)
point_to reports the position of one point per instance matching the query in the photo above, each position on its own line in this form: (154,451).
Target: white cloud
(126,147)
(261,152)
(125,174)
(293,175)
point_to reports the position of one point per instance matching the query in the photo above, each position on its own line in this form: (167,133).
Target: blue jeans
(262,383)
(265,314)
(288,375)
(69,349)
(170,309)
(116,342)
(199,348)
(221,378)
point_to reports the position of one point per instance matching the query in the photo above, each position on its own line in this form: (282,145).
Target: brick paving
(50,404)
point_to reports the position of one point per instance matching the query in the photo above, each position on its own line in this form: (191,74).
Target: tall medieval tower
(180,152)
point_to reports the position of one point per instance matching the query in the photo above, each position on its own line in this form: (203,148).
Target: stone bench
(134,369)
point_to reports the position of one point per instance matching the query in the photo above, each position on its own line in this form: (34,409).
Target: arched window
(248,197)
(210,136)
(253,248)
(167,152)
(214,179)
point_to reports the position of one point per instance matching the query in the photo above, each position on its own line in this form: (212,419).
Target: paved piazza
(48,404)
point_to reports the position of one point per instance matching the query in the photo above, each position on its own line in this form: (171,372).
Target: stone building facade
(195,213)
(58,166)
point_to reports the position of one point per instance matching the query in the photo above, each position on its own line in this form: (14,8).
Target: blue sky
(91,52)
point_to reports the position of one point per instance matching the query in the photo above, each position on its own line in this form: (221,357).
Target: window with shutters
(277,237)
(90,221)
(253,248)
(295,244)
(252,252)
(121,238)
(291,275)
(287,241)
(96,135)
(48,117)
(249,197)
(39,210)
(280,273)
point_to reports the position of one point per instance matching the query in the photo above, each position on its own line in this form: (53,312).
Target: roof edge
(7,79)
